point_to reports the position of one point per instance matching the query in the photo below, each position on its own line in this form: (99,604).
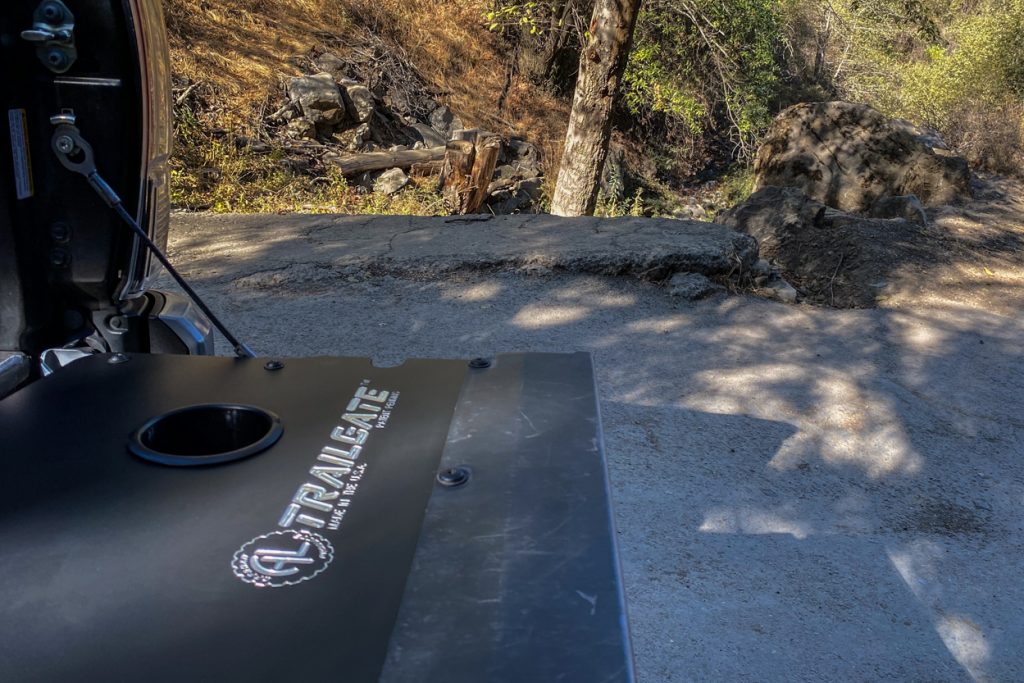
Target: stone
(522,151)
(692,211)
(648,249)
(848,156)
(426,135)
(332,64)
(301,128)
(763,268)
(780,290)
(907,207)
(692,286)
(360,103)
(319,99)
(771,212)
(390,182)
(354,139)
(519,197)
(504,171)
(445,121)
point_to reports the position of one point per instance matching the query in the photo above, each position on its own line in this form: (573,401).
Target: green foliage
(707,65)
(736,185)
(524,15)
(612,207)
(956,67)
(650,87)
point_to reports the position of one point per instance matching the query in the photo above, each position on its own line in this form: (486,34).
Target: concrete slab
(801,494)
(303,249)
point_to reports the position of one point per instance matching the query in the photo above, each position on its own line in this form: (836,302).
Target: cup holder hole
(206,435)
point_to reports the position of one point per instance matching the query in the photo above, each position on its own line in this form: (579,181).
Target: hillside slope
(231,59)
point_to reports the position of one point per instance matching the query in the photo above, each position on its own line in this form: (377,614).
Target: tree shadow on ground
(801,493)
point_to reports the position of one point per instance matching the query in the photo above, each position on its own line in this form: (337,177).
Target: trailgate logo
(294,555)
(282,558)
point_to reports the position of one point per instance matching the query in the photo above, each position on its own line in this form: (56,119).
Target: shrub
(961,73)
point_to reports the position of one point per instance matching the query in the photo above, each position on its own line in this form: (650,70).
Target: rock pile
(841,201)
(330,118)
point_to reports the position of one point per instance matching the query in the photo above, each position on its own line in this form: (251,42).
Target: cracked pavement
(302,250)
(801,494)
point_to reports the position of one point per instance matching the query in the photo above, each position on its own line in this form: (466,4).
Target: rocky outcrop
(445,122)
(849,156)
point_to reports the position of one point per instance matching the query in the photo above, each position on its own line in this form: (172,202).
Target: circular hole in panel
(206,435)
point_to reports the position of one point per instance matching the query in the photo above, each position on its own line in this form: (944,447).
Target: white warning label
(20,152)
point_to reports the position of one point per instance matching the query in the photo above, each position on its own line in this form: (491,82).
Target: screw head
(52,12)
(65,144)
(60,232)
(273,365)
(453,476)
(57,59)
(60,258)
(479,363)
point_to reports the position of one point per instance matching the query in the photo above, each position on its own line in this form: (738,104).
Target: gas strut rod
(76,155)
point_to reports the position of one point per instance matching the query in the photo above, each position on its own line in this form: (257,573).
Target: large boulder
(319,100)
(848,156)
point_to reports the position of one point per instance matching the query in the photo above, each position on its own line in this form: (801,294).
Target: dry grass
(237,51)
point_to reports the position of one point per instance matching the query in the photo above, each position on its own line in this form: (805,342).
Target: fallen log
(379,161)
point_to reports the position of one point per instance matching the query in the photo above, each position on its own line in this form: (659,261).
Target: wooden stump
(470,160)
(457,176)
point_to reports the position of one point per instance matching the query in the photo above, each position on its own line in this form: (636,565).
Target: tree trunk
(556,36)
(586,143)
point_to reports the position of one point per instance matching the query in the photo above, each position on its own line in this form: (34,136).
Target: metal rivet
(453,476)
(479,363)
(118,358)
(273,365)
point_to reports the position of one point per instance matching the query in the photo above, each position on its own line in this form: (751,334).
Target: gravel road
(800,493)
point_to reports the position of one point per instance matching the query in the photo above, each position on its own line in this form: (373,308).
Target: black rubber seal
(206,434)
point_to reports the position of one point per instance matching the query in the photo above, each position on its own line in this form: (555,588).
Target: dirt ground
(980,256)
(969,254)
